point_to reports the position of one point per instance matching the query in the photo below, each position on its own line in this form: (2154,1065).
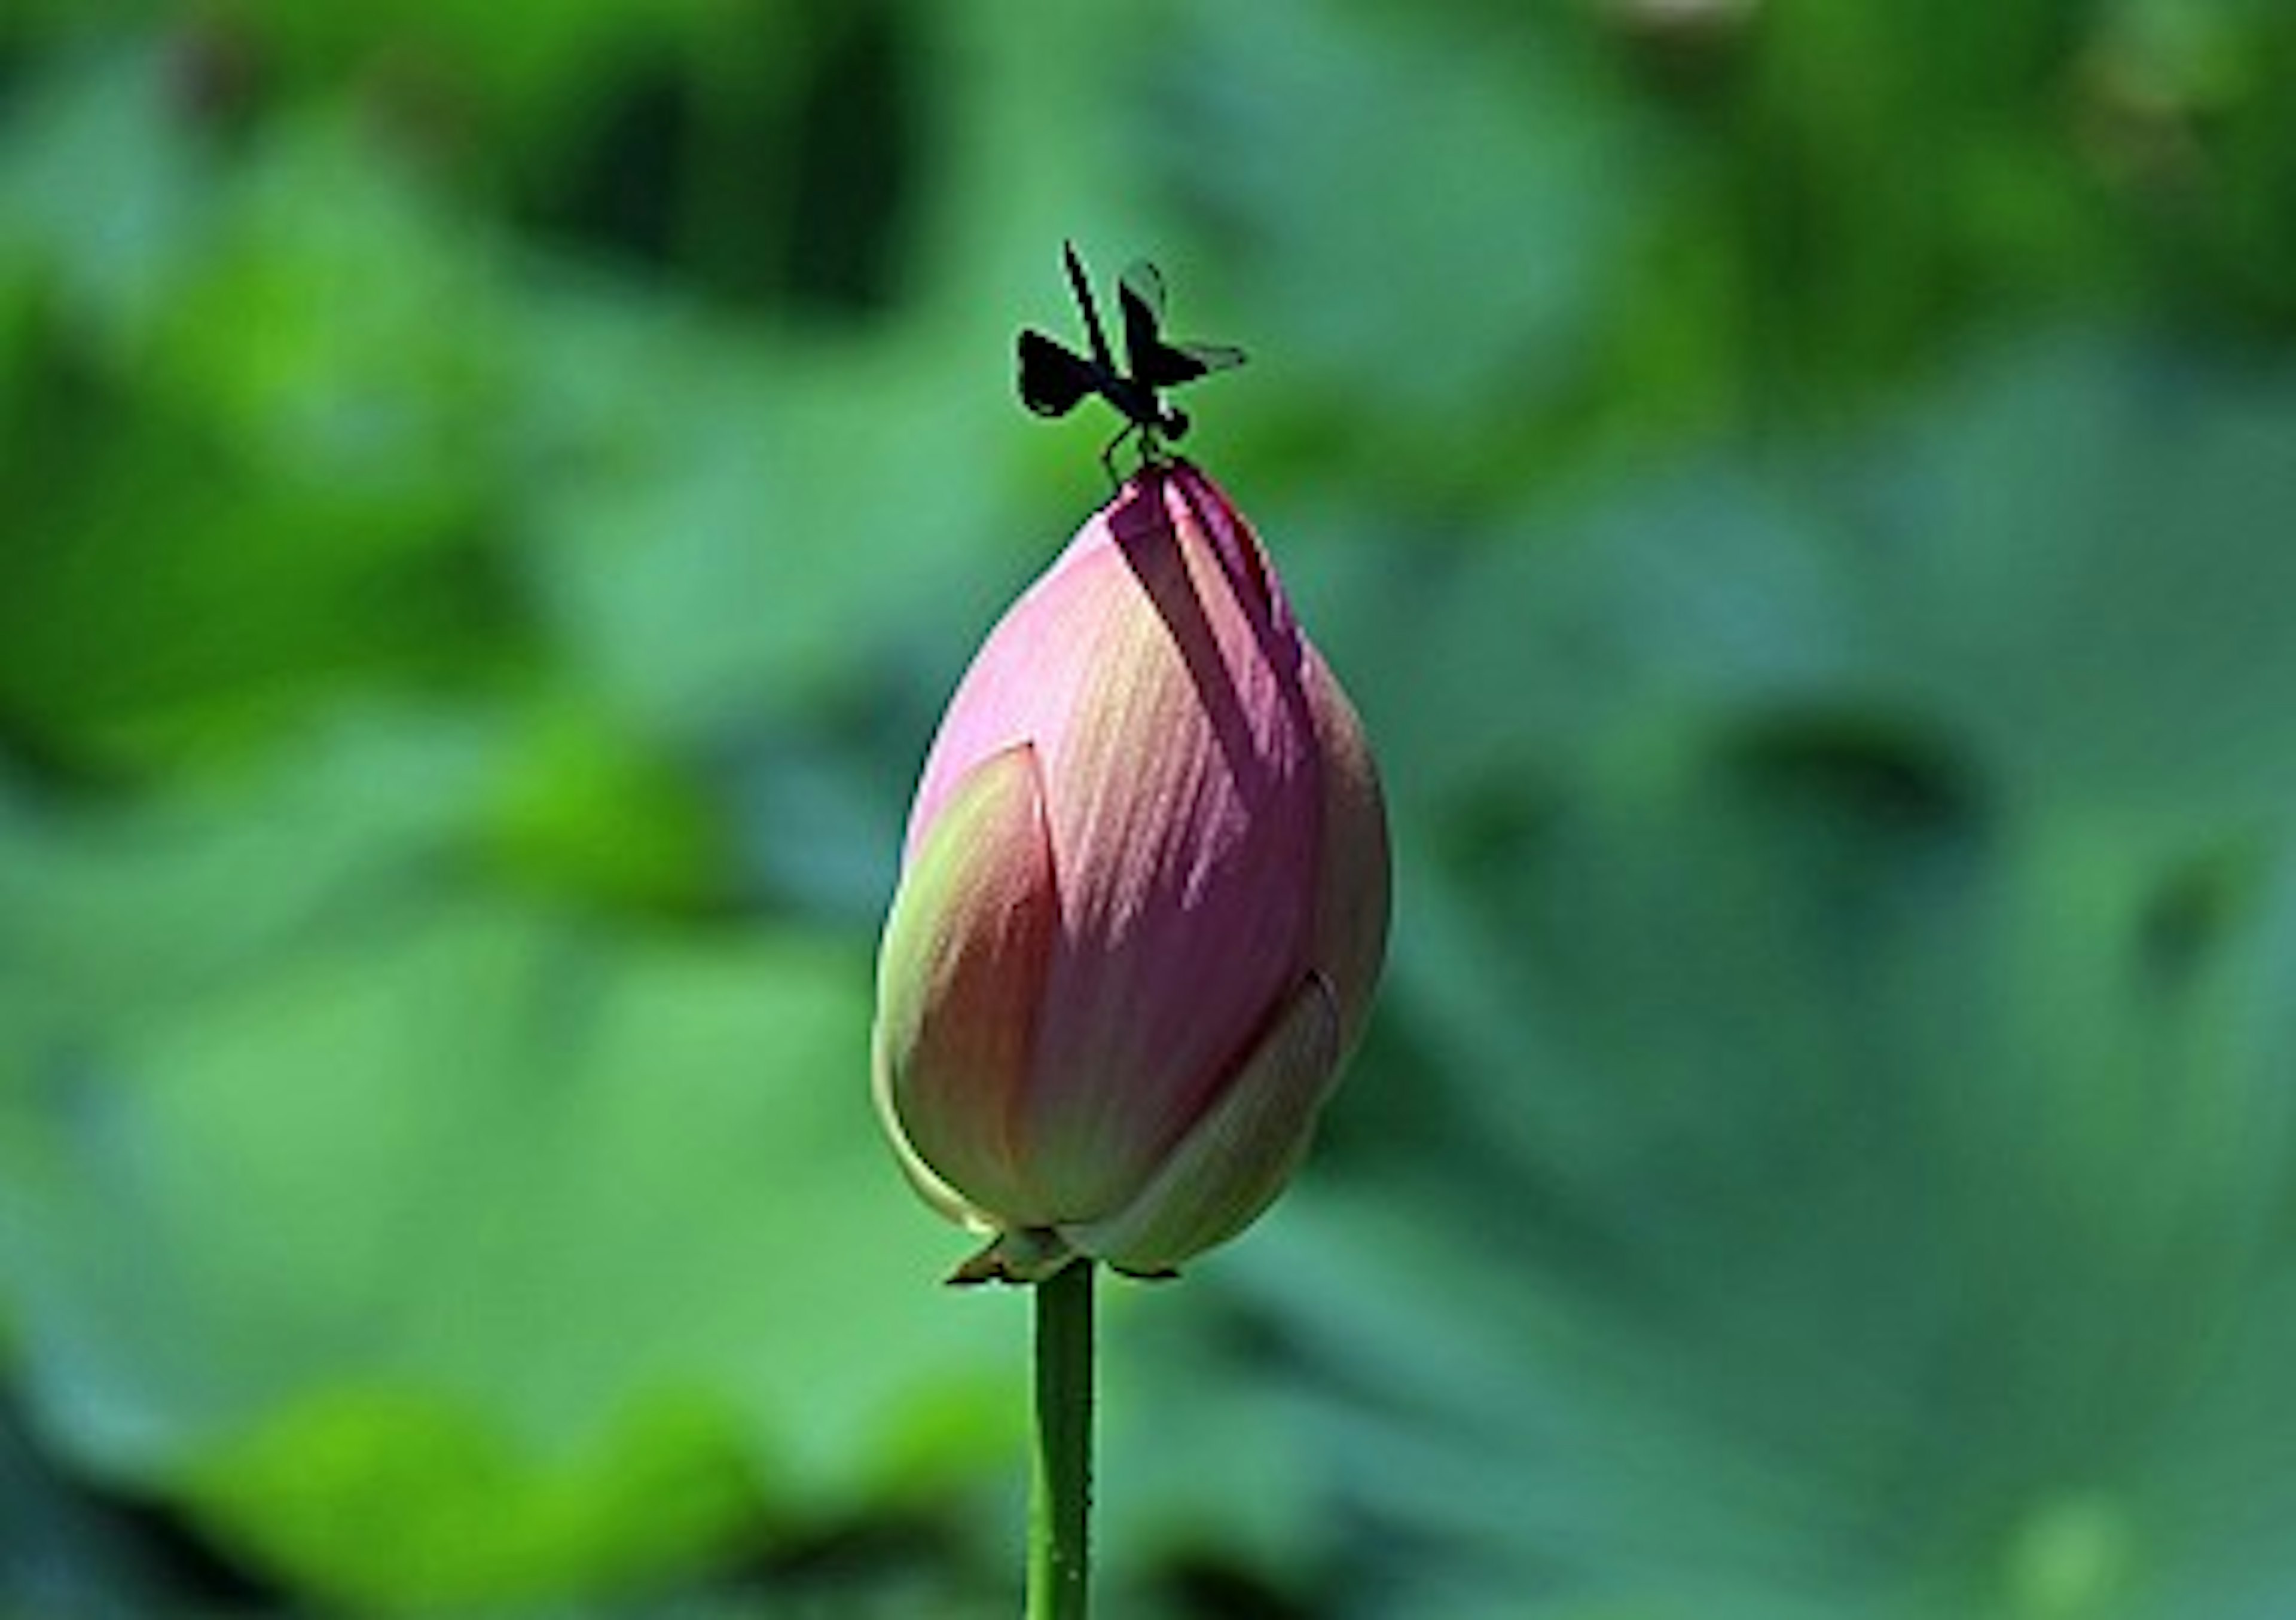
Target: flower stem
(1060,1508)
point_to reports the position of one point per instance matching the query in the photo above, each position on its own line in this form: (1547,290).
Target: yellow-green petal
(960,979)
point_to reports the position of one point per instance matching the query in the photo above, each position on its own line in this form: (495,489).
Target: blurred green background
(492,496)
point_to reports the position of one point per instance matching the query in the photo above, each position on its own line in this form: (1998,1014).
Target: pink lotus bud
(1142,902)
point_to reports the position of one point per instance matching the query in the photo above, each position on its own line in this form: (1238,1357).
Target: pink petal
(1207,854)
(1186,805)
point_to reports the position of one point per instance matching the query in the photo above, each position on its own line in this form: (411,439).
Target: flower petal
(1185,801)
(960,980)
(1231,1165)
(1353,896)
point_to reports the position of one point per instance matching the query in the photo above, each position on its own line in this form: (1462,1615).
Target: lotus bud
(1143,903)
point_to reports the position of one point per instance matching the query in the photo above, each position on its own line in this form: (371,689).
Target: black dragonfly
(1055,377)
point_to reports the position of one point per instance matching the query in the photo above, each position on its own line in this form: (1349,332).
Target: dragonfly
(1054,378)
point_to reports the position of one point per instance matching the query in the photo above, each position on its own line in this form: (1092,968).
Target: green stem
(1060,1508)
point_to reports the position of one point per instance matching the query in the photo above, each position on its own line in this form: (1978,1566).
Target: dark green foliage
(1804,494)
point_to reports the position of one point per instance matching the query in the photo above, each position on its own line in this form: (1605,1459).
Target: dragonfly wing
(1052,377)
(1210,357)
(1214,356)
(1140,295)
(1144,283)
(1169,364)
(1154,363)
(1081,286)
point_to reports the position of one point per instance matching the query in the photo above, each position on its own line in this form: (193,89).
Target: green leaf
(491,1208)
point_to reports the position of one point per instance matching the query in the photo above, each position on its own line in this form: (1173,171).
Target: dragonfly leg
(1108,453)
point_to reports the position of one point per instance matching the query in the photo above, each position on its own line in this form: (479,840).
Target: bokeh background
(492,496)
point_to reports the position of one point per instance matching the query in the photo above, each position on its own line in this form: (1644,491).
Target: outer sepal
(1031,1255)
